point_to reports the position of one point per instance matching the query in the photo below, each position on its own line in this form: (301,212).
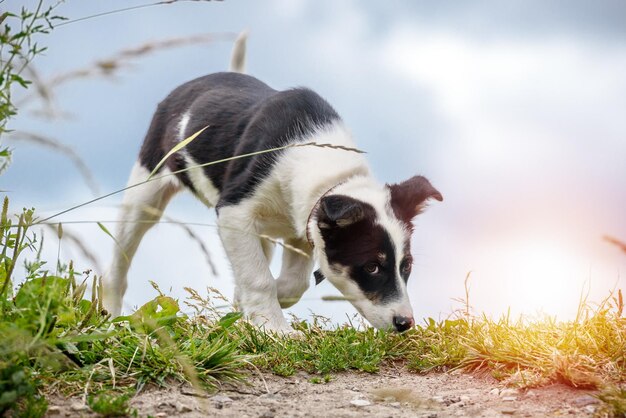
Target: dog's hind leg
(142,207)
(295,272)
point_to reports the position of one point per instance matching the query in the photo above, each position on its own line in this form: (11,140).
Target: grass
(614,402)
(57,337)
(320,351)
(111,405)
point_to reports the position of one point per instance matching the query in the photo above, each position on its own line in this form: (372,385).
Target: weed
(614,402)
(17,49)
(316,380)
(436,345)
(18,391)
(111,405)
(55,331)
(583,353)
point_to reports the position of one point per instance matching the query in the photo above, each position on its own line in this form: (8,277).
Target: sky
(514,111)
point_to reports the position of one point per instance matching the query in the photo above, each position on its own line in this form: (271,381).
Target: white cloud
(536,132)
(289,9)
(511,98)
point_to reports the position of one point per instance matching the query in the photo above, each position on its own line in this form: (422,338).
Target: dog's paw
(283,330)
(278,326)
(290,334)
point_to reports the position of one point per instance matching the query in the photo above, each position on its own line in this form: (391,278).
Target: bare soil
(390,393)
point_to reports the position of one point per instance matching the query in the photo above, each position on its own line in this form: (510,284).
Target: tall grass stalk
(221,161)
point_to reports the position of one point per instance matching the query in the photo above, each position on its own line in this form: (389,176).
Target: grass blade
(182,144)
(223,160)
(106,231)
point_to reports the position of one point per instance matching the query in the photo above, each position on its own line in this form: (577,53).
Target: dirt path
(391,393)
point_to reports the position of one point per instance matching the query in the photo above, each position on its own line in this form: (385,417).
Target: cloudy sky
(515,111)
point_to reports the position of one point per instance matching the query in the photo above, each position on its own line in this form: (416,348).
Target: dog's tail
(238,56)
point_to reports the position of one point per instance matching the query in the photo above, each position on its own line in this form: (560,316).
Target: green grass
(320,351)
(58,337)
(614,402)
(111,404)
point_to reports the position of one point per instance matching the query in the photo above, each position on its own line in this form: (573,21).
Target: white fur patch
(182,126)
(306,173)
(205,190)
(204,187)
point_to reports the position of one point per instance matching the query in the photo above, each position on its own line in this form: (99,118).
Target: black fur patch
(365,248)
(243,115)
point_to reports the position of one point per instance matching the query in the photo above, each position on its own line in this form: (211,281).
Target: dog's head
(363,239)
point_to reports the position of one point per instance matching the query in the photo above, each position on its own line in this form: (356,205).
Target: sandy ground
(390,393)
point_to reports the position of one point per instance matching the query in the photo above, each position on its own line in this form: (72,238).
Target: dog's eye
(372,268)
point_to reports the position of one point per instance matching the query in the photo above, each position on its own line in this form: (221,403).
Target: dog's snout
(402,323)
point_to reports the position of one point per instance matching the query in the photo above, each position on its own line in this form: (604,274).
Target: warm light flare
(538,277)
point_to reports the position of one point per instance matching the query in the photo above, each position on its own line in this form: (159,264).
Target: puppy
(320,200)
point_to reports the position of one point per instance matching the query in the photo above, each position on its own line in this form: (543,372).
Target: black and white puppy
(320,200)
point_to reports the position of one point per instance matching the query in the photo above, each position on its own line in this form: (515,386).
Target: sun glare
(541,277)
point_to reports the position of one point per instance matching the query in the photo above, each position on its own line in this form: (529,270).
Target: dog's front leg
(255,287)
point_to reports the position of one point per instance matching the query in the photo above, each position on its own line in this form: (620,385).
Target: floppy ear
(339,211)
(409,197)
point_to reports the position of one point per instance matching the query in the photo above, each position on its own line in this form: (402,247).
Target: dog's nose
(402,323)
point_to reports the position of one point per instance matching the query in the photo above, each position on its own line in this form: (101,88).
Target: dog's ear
(339,211)
(409,198)
(319,277)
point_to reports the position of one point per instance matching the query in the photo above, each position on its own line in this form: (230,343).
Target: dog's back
(243,115)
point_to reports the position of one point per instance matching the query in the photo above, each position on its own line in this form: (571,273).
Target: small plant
(111,404)
(18,48)
(614,402)
(317,380)
(437,345)
(18,392)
